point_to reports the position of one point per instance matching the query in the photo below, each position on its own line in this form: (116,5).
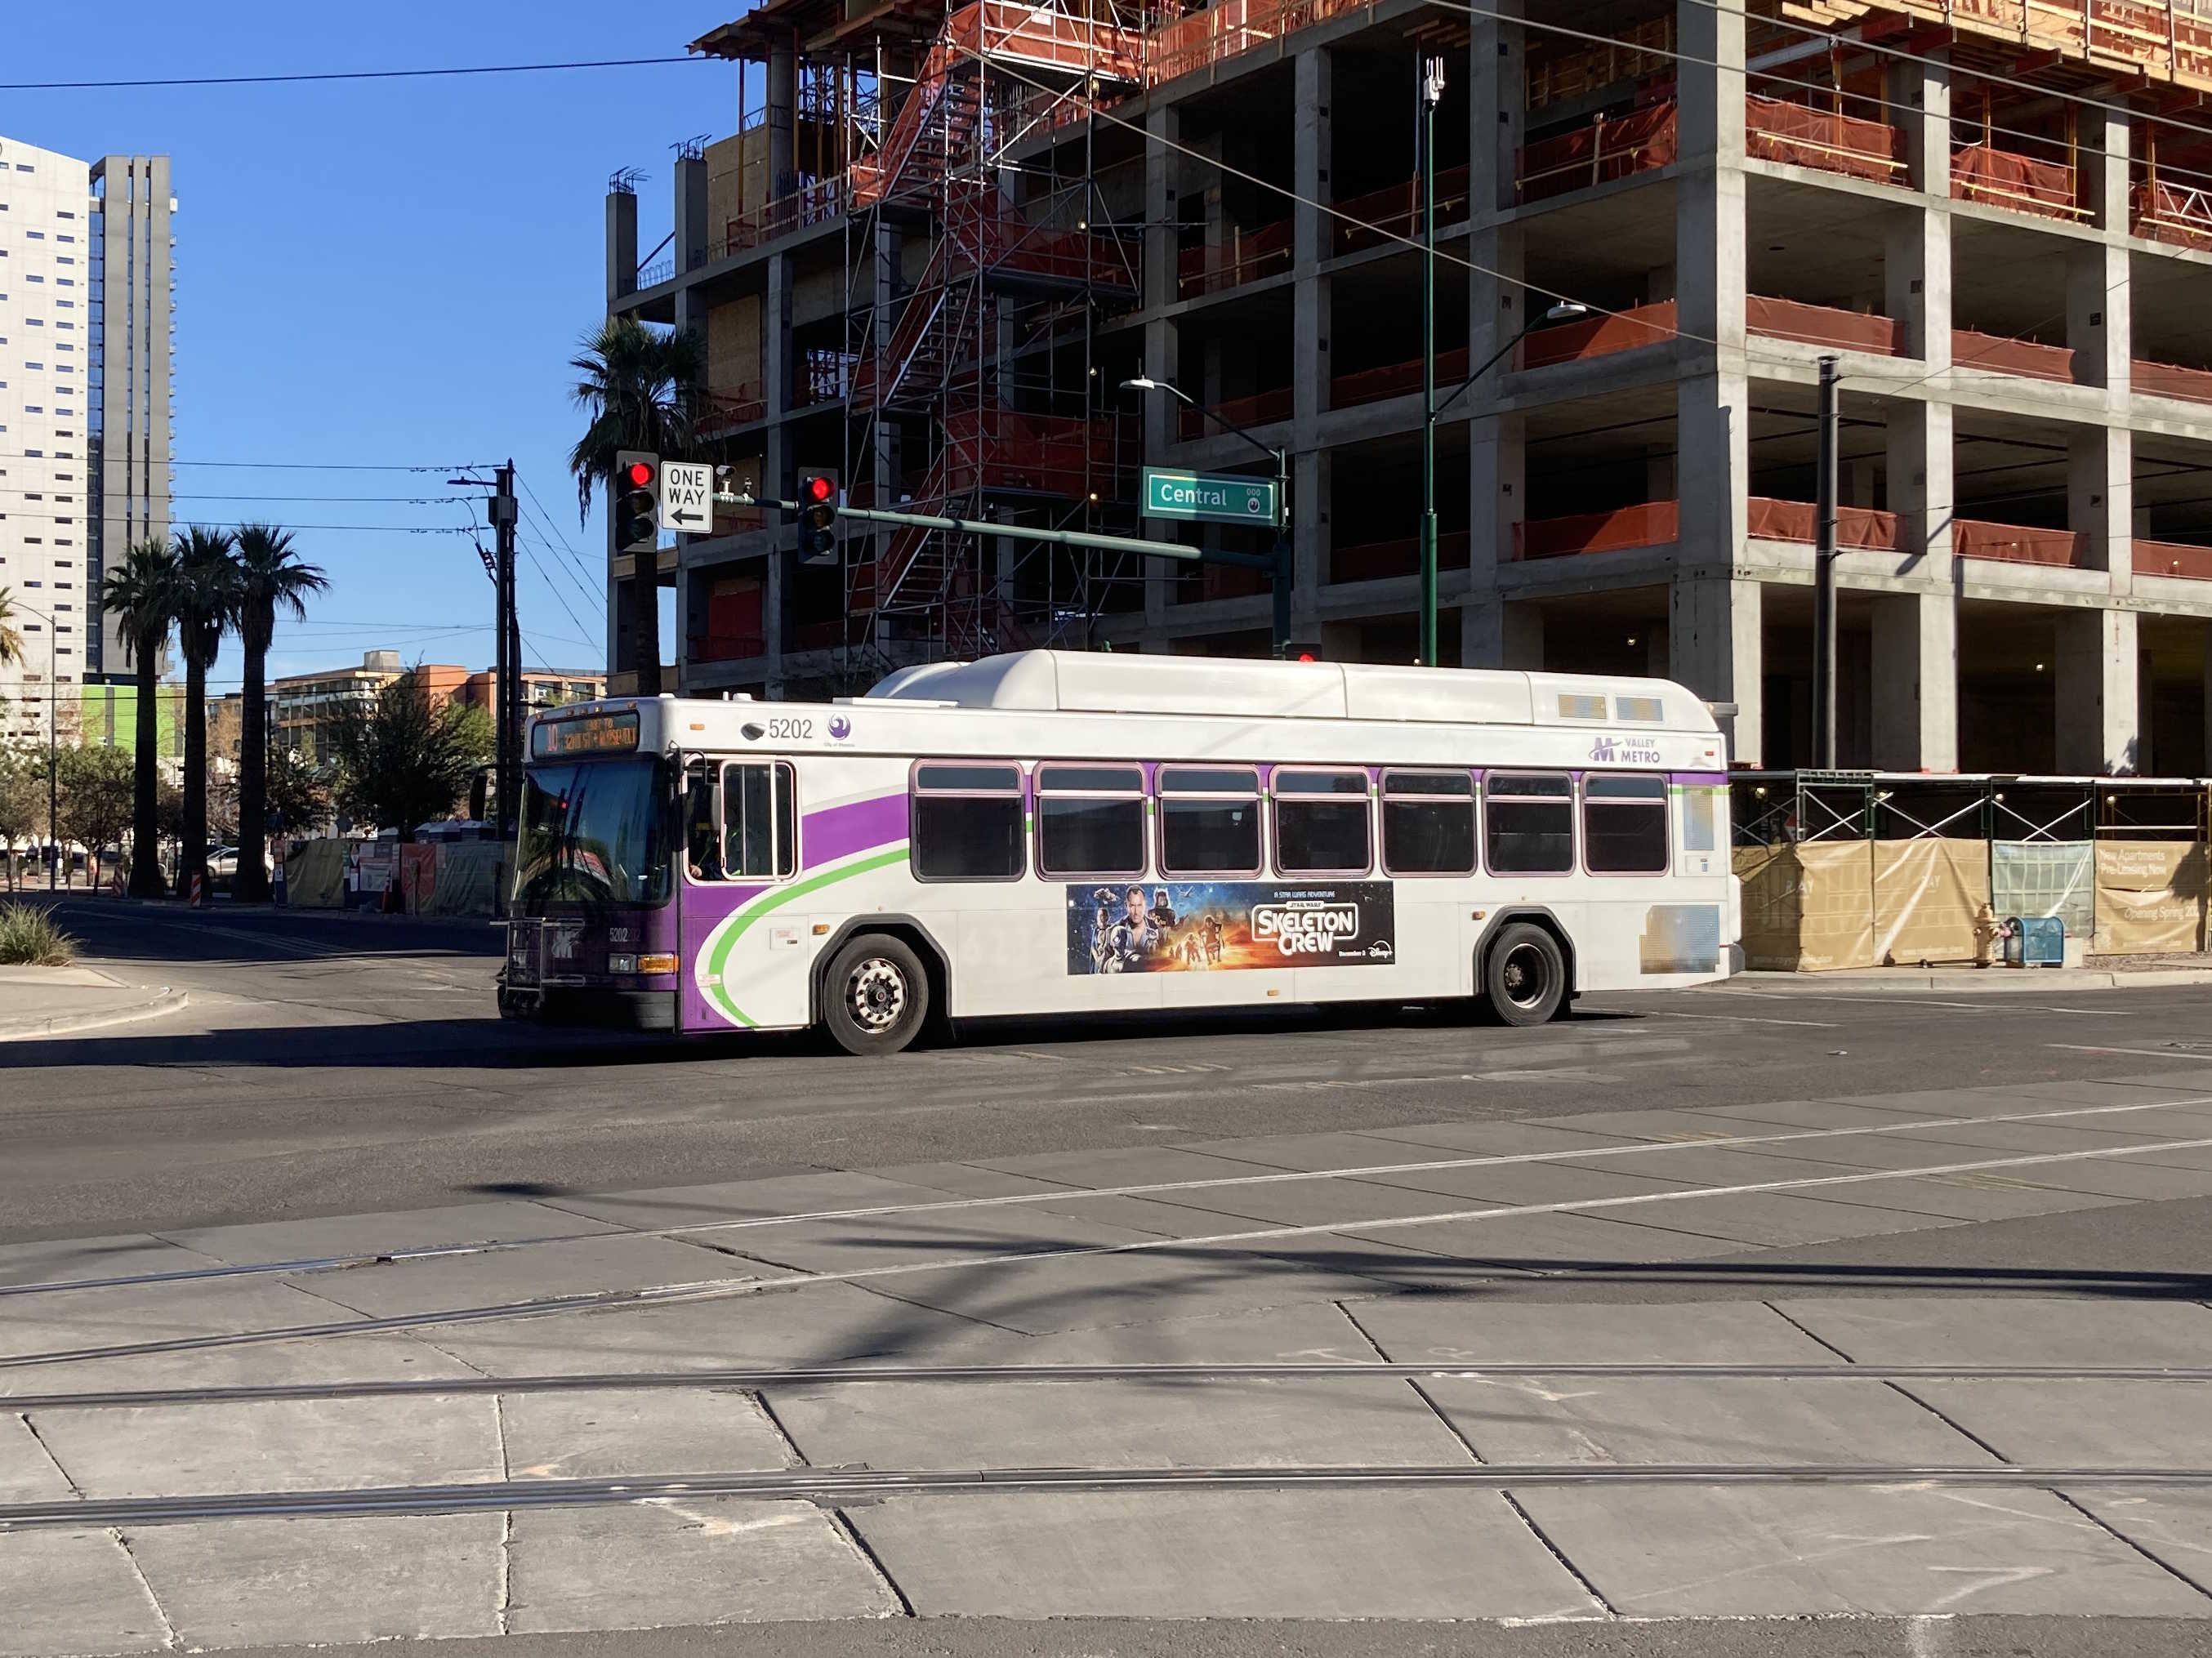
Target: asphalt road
(341,1065)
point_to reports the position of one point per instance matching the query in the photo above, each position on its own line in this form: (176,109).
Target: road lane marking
(2154,1052)
(1738,1018)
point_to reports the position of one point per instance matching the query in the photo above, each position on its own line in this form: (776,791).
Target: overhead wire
(317,76)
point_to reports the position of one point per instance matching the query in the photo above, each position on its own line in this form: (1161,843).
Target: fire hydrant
(1987,933)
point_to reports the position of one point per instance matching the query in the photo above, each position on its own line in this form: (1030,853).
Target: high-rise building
(85,316)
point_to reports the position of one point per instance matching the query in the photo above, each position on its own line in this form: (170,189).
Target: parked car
(222,866)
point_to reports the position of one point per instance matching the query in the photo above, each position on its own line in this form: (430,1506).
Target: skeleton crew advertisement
(1202,926)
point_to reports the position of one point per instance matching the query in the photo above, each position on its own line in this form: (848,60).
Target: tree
(22,803)
(141,593)
(404,762)
(98,802)
(638,386)
(11,642)
(207,608)
(298,798)
(271,580)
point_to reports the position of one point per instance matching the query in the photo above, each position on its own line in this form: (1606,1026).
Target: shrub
(28,938)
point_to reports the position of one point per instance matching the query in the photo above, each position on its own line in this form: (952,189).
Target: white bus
(1053,833)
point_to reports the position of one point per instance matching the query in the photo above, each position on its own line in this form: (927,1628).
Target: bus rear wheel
(877,995)
(1524,976)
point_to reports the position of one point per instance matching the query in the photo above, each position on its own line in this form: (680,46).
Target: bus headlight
(621,963)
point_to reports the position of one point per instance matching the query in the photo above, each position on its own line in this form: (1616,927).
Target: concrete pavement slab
(73,1591)
(1140,1165)
(1315,1202)
(2175,1527)
(1515,1183)
(2016,1330)
(1545,1242)
(1694,1419)
(1233,1554)
(1419,1329)
(955,1236)
(607,1435)
(236,1582)
(1748,1551)
(347,1358)
(1995,1195)
(1775,1219)
(1488,1140)
(408,1228)
(710,1561)
(2129,1178)
(294,1444)
(806,1193)
(1779,1117)
(577,1266)
(69,1319)
(2152,1424)
(2131,1133)
(1331,1150)
(28,1474)
(122,1255)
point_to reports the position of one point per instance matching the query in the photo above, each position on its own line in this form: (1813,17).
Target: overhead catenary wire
(315,76)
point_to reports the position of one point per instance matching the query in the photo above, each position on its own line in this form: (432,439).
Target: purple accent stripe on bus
(856,826)
(1701,777)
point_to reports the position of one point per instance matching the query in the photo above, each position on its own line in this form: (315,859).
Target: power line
(381,529)
(340,75)
(560,538)
(281,465)
(141,495)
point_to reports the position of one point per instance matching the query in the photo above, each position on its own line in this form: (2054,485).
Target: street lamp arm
(1496,357)
(1220,420)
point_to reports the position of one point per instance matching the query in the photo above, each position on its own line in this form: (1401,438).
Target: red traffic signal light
(640,473)
(818,488)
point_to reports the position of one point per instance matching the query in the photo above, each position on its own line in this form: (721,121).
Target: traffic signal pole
(1431,89)
(507,721)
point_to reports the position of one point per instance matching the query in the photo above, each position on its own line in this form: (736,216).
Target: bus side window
(1428,823)
(1090,821)
(1209,820)
(967,821)
(1321,822)
(1623,824)
(1529,823)
(760,840)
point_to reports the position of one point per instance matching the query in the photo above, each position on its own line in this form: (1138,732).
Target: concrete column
(1494,633)
(1312,240)
(775,375)
(622,244)
(1920,104)
(1714,648)
(1498,471)
(2096,693)
(689,242)
(2208,701)
(1713,398)
(782,110)
(2102,139)
(1916,683)
(2100,500)
(1496,306)
(1497,109)
(1916,281)
(1311,482)
(1920,483)
(1710,129)
(2100,310)
(1163,176)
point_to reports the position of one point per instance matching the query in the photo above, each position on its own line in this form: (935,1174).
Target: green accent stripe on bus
(776,899)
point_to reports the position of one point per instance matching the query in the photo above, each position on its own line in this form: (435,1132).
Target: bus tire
(875,996)
(1524,975)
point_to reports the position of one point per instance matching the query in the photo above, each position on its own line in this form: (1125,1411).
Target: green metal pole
(1284,574)
(1429,87)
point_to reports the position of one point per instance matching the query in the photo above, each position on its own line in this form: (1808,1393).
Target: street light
(53,714)
(1281,574)
(1562,311)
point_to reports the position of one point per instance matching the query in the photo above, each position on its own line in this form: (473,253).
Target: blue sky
(389,272)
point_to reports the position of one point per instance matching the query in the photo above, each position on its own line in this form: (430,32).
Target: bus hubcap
(877,994)
(1525,975)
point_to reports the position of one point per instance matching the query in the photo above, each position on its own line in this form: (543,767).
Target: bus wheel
(1524,975)
(877,995)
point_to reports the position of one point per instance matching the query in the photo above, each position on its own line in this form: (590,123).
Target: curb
(65,1024)
(1994,981)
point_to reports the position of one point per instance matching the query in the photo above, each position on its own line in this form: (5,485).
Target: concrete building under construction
(940,241)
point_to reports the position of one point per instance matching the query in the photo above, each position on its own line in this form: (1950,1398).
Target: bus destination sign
(596,733)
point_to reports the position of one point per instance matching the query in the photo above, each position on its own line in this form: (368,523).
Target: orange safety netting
(1823,325)
(1982,173)
(1377,561)
(1971,350)
(2172,558)
(1395,211)
(1768,519)
(1247,256)
(2016,543)
(1776,129)
(2171,379)
(1592,154)
(1058,454)
(1396,380)
(1599,337)
(2180,215)
(1232,27)
(1647,524)
(1261,409)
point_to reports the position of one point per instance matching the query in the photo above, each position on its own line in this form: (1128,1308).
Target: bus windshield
(594,832)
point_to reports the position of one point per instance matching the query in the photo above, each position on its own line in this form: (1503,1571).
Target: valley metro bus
(1051,833)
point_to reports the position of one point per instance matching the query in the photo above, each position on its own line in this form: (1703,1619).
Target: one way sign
(687,495)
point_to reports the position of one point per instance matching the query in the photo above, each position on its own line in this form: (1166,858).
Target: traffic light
(637,501)
(1301,650)
(817,518)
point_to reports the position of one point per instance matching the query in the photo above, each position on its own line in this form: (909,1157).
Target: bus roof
(1086,682)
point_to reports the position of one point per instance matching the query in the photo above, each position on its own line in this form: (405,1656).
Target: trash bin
(2037,941)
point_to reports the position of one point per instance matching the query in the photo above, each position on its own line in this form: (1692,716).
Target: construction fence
(448,877)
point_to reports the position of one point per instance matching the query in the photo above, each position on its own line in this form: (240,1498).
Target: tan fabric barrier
(314,875)
(1926,895)
(2150,896)
(1806,907)
(468,882)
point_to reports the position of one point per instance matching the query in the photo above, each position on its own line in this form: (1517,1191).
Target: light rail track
(353,1260)
(831,1486)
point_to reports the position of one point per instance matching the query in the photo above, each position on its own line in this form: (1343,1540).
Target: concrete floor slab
(275,1445)
(332,1358)
(607,1435)
(1547,1242)
(72,1591)
(1694,1419)
(2175,1527)
(72,1319)
(1233,1554)
(63,1259)
(709,1561)
(1750,1551)
(2151,1424)
(243,1583)
(405,1229)
(1969,1330)
(27,1473)
(1245,1423)
(785,1195)
(579,1266)
(1418,1329)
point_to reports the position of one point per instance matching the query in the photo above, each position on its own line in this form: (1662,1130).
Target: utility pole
(504,511)
(1823,576)
(1431,92)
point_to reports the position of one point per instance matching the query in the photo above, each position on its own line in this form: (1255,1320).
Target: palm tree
(206,608)
(11,642)
(638,387)
(270,579)
(142,594)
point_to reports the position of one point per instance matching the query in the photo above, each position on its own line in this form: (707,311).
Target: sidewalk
(55,1001)
(1962,978)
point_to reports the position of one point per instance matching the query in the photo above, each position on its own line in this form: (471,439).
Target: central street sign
(687,495)
(1217,498)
